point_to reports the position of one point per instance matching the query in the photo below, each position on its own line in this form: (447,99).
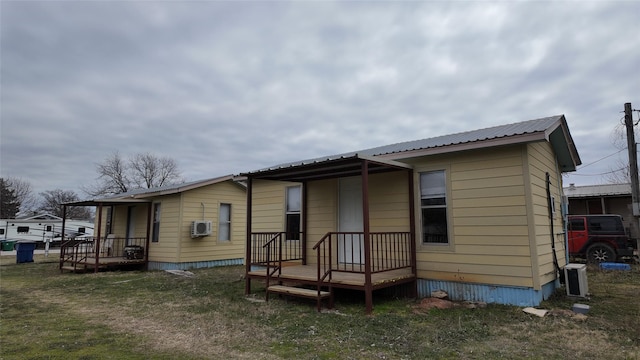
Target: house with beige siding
(178,227)
(477,214)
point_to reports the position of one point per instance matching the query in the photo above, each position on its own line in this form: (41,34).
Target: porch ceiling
(327,168)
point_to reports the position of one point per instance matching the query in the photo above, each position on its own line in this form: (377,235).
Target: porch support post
(247,256)
(368,288)
(412,231)
(64,220)
(97,239)
(147,241)
(304,223)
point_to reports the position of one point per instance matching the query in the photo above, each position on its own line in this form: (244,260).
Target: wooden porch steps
(300,292)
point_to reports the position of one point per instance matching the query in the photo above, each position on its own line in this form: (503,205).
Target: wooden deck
(89,264)
(339,279)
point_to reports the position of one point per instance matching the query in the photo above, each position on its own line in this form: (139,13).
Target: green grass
(156,315)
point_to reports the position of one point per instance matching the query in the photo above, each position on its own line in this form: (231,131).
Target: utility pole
(633,161)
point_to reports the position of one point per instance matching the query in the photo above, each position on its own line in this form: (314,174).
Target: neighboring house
(476,214)
(42,228)
(603,199)
(191,225)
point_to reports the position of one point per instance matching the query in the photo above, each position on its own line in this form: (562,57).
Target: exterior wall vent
(200,229)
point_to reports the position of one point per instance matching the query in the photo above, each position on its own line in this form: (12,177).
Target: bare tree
(150,171)
(24,194)
(619,169)
(141,171)
(52,201)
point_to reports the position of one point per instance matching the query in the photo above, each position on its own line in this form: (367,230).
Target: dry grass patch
(156,315)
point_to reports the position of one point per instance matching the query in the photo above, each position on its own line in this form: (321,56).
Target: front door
(350,246)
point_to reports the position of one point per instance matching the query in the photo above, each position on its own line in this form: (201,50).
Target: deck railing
(77,250)
(272,249)
(344,252)
(275,246)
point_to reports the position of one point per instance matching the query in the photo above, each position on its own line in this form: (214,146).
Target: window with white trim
(155,235)
(224,222)
(433,204)
(292,221)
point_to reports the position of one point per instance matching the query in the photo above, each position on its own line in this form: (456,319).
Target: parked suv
(599,238)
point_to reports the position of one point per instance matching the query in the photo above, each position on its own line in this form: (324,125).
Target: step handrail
(278,268)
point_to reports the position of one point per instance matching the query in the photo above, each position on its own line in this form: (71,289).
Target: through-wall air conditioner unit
(200,228)
(575,277)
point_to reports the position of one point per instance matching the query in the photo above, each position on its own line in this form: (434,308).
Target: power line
(605,173)
(606,157)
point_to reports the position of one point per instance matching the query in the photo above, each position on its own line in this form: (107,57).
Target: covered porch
(363,260)
(104,249)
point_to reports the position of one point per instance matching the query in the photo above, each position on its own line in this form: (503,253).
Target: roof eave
(480,144)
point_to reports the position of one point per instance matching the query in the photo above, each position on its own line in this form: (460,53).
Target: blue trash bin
(24,251)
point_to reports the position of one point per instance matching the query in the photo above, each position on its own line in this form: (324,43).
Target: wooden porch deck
(340,279)
(89,263)
(83,255)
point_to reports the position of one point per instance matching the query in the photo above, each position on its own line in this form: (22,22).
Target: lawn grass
(46,314)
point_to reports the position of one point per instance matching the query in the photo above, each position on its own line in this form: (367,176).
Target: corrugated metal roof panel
(496,132)
(597,190)
(541,125)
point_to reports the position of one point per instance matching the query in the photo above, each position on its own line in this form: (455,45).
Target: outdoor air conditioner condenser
(200,229)
(575,276)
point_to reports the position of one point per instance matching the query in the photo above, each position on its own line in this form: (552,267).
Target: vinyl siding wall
(165,250)
(488,217)
(268,205)
(541,160)
(209,248)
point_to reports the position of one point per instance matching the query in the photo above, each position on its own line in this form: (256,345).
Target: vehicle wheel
(598,253)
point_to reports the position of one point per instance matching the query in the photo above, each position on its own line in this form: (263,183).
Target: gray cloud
(227,87)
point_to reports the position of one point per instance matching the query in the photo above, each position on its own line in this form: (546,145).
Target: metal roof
(323,168)
(597,190)
(553,129)
(141,195)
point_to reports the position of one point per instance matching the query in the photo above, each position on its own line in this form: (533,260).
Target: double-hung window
(294,199)
(224,222)
(155,235)
(433,203)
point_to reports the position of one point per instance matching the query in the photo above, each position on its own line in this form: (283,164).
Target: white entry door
(350,247)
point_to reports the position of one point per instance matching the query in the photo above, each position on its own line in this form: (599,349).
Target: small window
(433,201)
(155,236)
(224,222)
(23,229)
(48,228)
(1,231)
(292,221)
(605,225)
(576,225)
(82,230)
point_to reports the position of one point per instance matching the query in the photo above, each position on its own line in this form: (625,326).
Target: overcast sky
(229,87)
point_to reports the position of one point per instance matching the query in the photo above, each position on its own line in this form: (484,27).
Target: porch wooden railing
(75,251)
(344,252)
(78,250)
(275,246)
